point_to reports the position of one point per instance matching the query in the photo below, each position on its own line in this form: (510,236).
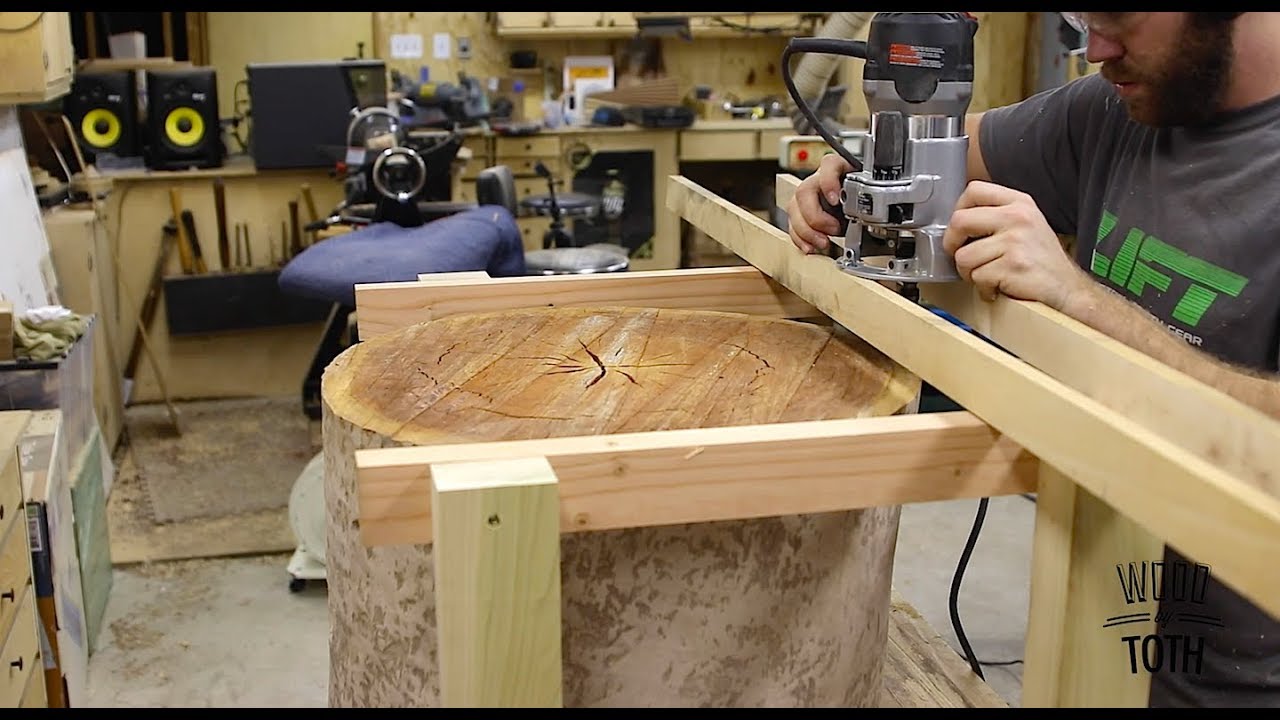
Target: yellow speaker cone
(100,128)
(184,126)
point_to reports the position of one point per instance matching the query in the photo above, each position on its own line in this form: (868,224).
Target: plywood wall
(746,68)
(238,38)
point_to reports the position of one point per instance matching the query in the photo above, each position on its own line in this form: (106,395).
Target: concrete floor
(228,633)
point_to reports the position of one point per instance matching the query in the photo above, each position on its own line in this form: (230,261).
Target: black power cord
(955,587)
(956,579)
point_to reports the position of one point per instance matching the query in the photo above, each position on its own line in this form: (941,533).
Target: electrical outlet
(406,47)
(464,48)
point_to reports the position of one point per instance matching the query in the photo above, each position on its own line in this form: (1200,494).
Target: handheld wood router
(918,80)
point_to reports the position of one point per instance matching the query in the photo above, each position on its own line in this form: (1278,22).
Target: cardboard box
(55,561)
(6,330)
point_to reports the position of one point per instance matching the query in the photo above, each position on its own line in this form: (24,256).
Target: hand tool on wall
(239,252)
(248,249)
(185,257)
(295,230)
(311,211)
(220,206)
(151,299)
(189,225)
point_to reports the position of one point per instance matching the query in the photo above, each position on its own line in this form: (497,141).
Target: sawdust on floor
(235,456)
(141,642)
(137,538)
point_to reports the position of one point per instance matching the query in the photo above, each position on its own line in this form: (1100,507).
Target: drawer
(477,144)
(15,573)
(522,166)
(531,231)
(528,187)
(771,143)
(20,654)
(528,146)
(471,168)
(11,507)
(35,696)
(720,145)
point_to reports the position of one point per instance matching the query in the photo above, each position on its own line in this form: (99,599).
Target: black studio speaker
(103,110)
(182,119)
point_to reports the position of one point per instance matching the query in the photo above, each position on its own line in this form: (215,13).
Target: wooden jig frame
(1124,453)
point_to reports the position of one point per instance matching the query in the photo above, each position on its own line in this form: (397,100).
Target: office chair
(473,236)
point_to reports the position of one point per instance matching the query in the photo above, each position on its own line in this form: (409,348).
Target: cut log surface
(777,611)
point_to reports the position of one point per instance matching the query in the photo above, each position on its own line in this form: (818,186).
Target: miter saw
(918,81)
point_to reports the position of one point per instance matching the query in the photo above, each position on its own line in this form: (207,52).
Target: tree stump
(788,611)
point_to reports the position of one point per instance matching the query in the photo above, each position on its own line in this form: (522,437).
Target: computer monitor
(300,110)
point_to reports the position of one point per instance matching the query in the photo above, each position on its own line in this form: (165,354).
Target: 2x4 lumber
(497,584)
(1200,418)
(708,474)
(1195,505)
(383,307)
(1079,543)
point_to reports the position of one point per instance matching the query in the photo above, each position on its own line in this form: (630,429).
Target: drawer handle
(11,595)
(17,664)
(1,512)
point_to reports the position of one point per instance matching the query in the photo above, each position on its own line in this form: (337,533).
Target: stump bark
(787,611)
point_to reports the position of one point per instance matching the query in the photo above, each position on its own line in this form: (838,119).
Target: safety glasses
(1102,23)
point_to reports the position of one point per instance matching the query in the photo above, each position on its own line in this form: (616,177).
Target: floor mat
(233,456)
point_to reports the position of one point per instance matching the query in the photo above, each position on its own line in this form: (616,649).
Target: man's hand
(1003,244)
(808,223)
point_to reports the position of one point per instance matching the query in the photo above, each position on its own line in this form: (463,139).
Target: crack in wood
(596,359)
(751,353)
(516,416)
(447,351)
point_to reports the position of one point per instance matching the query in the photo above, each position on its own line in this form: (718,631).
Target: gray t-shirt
(1185,223)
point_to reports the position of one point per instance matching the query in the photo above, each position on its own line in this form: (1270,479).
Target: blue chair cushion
(482,238)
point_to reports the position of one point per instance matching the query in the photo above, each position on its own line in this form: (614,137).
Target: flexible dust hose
(814,71)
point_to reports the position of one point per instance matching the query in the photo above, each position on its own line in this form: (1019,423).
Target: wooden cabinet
(20,657)
(564,24)
(80,248)
(37,56)
(625,24)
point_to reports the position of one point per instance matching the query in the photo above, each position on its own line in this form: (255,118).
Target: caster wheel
(297,584)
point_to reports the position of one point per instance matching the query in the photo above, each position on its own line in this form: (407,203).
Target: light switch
(442,45)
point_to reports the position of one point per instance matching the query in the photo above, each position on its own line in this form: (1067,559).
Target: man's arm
(977,166)
(1098,307)
(1003,244)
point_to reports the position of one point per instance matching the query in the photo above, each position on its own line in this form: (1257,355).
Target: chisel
(220,205)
